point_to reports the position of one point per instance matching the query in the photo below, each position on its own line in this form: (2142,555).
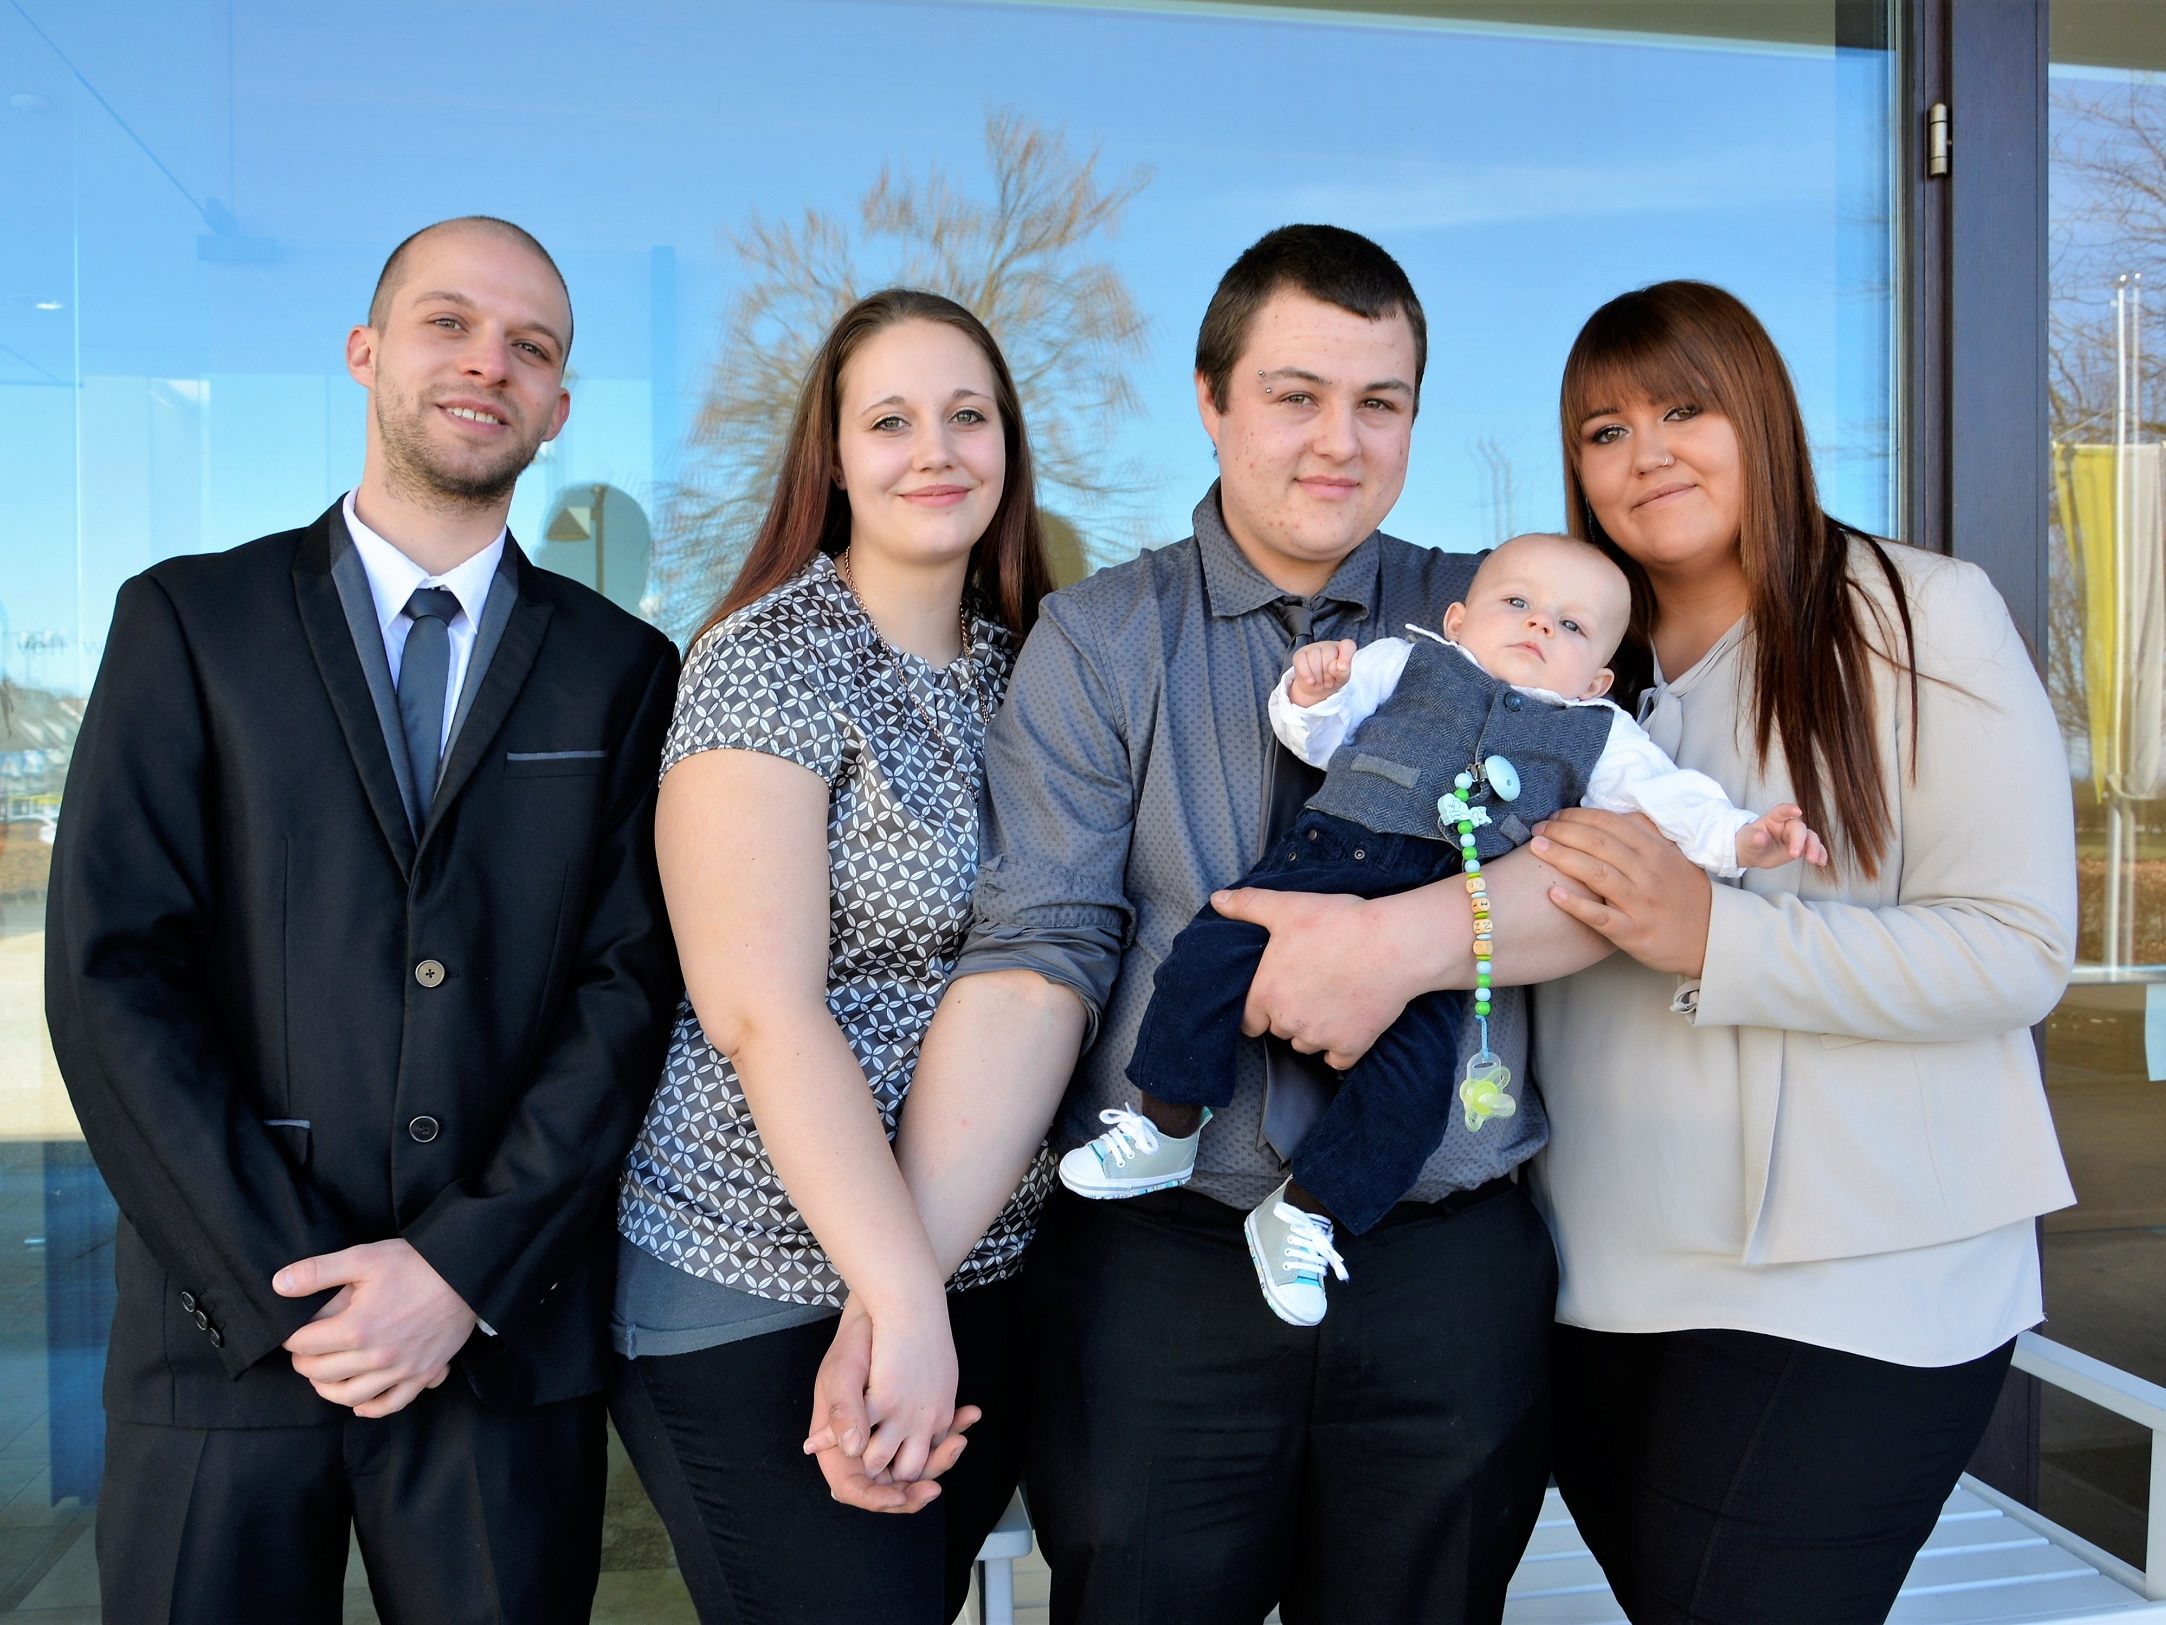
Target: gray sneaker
(1131,1157)
(1291,1248)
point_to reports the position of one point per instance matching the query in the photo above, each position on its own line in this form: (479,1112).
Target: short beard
(412,468)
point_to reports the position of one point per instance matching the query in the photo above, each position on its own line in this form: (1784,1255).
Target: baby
(1439,754)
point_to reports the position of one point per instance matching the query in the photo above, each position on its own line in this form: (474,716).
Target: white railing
(2126,1395)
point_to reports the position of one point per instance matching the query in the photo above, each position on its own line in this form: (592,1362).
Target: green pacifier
(1485,1092)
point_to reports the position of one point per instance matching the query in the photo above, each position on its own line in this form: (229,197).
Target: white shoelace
(1130,1136)
(1308,1242)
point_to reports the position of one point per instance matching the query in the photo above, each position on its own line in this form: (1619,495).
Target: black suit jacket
(289,1025)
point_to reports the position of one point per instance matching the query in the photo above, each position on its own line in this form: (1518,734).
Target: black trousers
(716,1433)
(464,1514)
(1194,1459)
(1393,1105)
(1731,1478)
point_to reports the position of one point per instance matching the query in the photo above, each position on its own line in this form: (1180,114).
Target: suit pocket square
(534,764)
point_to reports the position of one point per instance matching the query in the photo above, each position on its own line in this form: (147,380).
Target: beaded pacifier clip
(1485,1091)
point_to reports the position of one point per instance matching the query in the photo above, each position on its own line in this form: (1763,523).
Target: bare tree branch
(1023,257)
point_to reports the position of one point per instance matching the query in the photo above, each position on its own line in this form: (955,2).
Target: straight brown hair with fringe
(1813,653)
(810,512)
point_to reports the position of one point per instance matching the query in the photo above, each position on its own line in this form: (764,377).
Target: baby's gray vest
(1448,716)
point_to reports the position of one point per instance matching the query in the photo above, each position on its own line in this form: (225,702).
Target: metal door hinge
(1937,141)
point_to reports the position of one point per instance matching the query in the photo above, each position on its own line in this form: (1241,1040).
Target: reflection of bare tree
(1862,448)
(2109,220)
(1503,508)
(2108,200)
(1021,257)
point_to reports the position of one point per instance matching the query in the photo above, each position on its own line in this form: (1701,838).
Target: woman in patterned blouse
(818,836)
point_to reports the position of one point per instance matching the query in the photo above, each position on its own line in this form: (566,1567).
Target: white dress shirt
(1633,773)
(392,580)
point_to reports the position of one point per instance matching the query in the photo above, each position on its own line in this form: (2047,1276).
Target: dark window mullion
(1976,460)
(1999,474)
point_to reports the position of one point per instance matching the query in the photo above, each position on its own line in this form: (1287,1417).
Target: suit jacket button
(188,1303)
(1513,700)
(429,973)
(217,1338)
(423,1128)
(203,1321)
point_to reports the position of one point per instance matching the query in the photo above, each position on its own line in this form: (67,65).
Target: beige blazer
(1890,1089)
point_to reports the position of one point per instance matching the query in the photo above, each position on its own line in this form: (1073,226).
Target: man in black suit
(358,973)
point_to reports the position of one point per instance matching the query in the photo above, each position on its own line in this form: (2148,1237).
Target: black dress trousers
(466,1515)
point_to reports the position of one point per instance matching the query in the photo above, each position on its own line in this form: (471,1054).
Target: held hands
(1642,893)
(1320,671)
(389,1332)
(1779,836)
(856,1435)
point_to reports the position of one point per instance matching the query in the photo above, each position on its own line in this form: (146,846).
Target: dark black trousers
(464,1514)
(715,1435)
(1731,1478)
(1194,1459)
(1393,1105)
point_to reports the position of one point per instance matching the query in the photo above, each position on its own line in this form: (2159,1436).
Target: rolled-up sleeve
(1051,893)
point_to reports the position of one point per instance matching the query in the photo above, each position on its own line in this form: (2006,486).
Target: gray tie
(1297,1087)
(423,672)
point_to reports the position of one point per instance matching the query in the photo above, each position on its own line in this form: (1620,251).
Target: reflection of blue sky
(1521,179)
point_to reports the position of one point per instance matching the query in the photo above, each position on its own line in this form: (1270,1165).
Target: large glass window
(2106,670)
(200,193)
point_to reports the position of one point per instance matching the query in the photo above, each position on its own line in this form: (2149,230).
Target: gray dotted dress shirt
(1129,777)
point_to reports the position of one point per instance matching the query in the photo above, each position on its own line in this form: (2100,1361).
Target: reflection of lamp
(583,522)
(599,535)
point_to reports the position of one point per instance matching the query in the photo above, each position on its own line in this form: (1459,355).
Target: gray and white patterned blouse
(801,674)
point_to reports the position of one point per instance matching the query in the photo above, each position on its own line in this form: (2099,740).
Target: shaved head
(394,271)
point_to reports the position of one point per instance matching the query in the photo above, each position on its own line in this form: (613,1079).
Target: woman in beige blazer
(1800,1137)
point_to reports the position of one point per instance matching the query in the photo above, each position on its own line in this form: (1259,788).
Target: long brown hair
(1812,662)
(810,512)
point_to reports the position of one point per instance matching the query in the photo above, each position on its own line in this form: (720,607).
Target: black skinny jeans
(1732,1478)
(716,1433)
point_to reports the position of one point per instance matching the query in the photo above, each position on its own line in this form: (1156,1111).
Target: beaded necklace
(967,660)
(1485,1091)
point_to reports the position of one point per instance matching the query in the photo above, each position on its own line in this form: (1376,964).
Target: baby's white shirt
(1632,774)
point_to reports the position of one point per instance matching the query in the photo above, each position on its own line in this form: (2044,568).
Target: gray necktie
(423,671)
(1297,1087)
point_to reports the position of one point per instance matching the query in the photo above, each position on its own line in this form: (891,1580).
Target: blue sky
(1520,178)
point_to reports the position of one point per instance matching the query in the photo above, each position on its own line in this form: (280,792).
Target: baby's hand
(1779,836)
(1320,671)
